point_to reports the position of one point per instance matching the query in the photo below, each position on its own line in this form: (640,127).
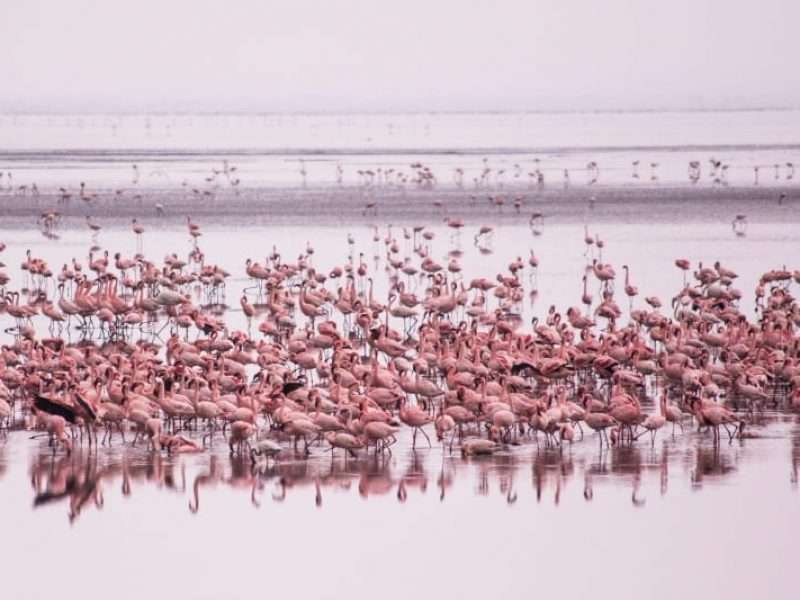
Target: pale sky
(409,55)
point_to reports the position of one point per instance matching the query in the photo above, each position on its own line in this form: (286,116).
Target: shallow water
(680,517)
(648,248)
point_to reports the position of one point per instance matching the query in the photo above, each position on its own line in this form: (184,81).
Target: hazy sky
(379,55)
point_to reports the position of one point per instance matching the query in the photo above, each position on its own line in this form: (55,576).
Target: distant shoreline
(78,154)
(11,112)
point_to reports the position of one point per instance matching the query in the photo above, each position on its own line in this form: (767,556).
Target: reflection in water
(209,478)
(79,480)
(710,463)
(795,459)
(3,461)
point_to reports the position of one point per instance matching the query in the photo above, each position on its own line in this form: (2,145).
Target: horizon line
(257,113)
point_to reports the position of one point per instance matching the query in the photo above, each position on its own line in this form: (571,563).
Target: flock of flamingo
(333,366)
(418,175)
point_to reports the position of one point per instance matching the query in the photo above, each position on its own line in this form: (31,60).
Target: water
(573,523)
(63,150)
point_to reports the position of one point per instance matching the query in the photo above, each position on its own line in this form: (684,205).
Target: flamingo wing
(90,412)
(54,408)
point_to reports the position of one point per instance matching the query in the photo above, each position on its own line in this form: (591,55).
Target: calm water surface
(680,517)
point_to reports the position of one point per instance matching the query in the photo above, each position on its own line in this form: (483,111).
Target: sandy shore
(338,206)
